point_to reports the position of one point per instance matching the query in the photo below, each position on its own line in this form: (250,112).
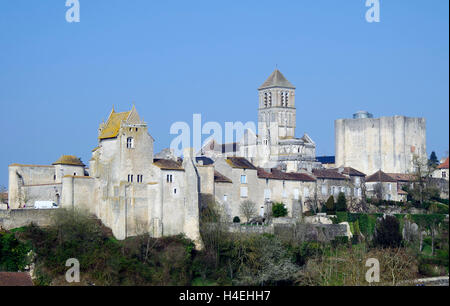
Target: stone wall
(10,219)
(386,143)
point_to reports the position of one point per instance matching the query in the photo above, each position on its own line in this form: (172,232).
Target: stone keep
(386,143)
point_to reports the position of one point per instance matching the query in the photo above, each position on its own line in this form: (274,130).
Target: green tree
(433,161)
(331,207)
(279,210)
(341,204)
(387,233)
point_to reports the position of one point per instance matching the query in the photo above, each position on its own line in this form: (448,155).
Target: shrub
(387,233)
(331,207)
(341,204)
(236,220)
(279,210)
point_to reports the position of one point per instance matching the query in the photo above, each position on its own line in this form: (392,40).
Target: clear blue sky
(58,81)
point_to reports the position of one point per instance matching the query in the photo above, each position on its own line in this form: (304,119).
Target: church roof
(277,79)
(69,160)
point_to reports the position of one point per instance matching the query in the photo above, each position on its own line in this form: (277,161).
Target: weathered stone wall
(10,219)
(386,143)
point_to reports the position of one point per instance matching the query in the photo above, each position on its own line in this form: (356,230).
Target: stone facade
(386,143)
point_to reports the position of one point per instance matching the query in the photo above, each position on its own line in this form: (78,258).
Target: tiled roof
(240,162)
(352,172)
(444,165)
(168,164)
(220,178)
(380,176)
(328,174)
(276,174)
(112,127)
(69,160)
(15,279)
(401,177)
(277,79)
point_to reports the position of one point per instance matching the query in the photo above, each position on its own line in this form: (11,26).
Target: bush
(279,210)
(331,207)
(13,253)
(341,204)
(236,220)
(387,233)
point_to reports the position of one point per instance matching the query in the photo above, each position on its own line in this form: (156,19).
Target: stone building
(442,171)
(275,145)
(387,143)
(126,187)
(388,186)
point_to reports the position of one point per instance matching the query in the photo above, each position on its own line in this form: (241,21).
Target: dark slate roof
(168,164)
(240,162)
(352,172)
(326,159)
(220,178)
(206,160)
(328,174)
(15,279)
(276,174)
(277,79)
(379,176)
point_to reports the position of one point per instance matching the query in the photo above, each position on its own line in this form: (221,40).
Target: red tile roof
(380,176)
(352,172)
(401,177)
(15,279)
(276,174)
(444,165)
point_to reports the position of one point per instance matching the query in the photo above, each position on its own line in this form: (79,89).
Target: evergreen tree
(331,208)
(433,161)
(341,204)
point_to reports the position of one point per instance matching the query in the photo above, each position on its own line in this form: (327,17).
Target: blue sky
(59,80)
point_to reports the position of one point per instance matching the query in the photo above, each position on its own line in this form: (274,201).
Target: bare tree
(248,209)
(379,191)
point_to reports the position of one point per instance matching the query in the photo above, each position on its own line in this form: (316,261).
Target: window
(243,179)
(284,194)
(130,143)
(390,187)
(324,190)
(244,192)
(169,178)
(296,194)
(306,192)
(225,198)
(174,191)
(357,180)
(130,178)
(266,142)
(444,174)
(54,177)
(140,178)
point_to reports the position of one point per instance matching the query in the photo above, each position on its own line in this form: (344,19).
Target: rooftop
(277,79)
(380,176)
(69,160)
(240,163)
(444,165)
(168,164)
(328,174)
(276,174)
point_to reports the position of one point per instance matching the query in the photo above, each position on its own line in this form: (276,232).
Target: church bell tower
(276,113)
